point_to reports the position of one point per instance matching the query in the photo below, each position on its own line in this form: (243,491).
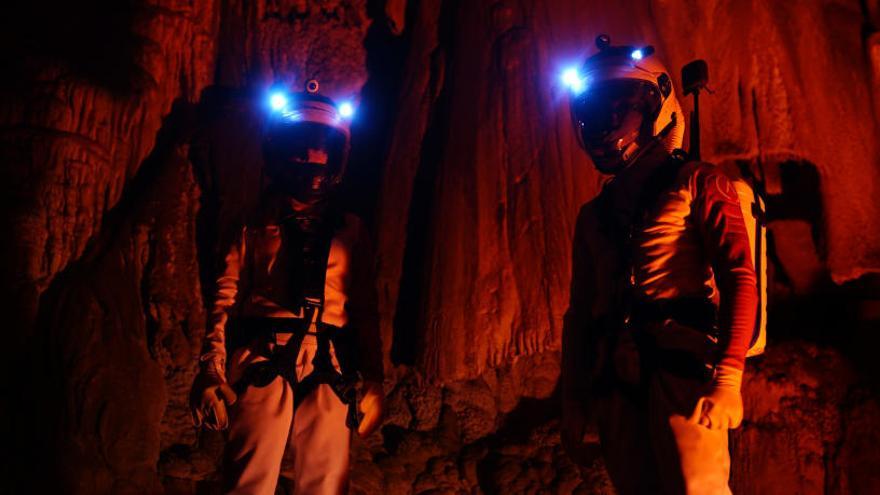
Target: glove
(372,406)
(209,397)
(722,407)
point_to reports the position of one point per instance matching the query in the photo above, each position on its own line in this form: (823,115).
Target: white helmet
(621,100)
(307,141)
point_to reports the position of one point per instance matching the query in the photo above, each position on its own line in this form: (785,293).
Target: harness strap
(694,312)
(343,384)
(308,242)
(281,361)
(758,193)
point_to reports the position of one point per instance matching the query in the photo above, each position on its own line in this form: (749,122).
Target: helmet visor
(614,112)
(305,159)
(309,146)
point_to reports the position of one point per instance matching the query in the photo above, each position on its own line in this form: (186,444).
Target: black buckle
(312,303)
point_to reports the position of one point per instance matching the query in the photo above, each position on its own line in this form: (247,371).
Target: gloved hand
(209,397)
(722,407)
(372,406)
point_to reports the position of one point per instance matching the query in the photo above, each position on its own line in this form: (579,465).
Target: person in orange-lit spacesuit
(293,356)
(664,295)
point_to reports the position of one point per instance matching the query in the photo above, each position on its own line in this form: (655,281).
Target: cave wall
(130,145)
(81,111)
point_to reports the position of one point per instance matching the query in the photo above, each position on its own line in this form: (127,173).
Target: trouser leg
(623,433)
(320,439)
(691,459)
(649,445)
(259,426)
(622,420)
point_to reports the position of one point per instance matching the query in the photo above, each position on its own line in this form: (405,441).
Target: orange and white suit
(253,283)
(639,344)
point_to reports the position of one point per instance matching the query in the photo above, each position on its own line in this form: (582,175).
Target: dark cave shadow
(409,325)
(371,130)
(227,162)
(801,199)
(90,40)
(516,428)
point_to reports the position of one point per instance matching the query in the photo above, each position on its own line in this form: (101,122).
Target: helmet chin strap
(656,140)
(310,217)
(310,206)
(631,152)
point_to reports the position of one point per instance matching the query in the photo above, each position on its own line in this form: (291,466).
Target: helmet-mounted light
(278,101)
(579,79)
(574,81)
(285,106)
(640,53)
(346,110)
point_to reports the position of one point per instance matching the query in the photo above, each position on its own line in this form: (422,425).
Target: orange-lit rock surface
(129,137)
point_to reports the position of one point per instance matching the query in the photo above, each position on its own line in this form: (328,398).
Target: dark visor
(609,105)
(292,143)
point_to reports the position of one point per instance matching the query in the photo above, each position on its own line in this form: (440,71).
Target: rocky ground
(811,429)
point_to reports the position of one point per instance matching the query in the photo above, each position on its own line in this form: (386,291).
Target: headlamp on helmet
(283,105)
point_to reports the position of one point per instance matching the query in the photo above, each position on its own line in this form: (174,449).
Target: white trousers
(263,425)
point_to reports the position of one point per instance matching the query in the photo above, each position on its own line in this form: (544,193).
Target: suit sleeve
(226,290)
(729,250)
(363,308)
